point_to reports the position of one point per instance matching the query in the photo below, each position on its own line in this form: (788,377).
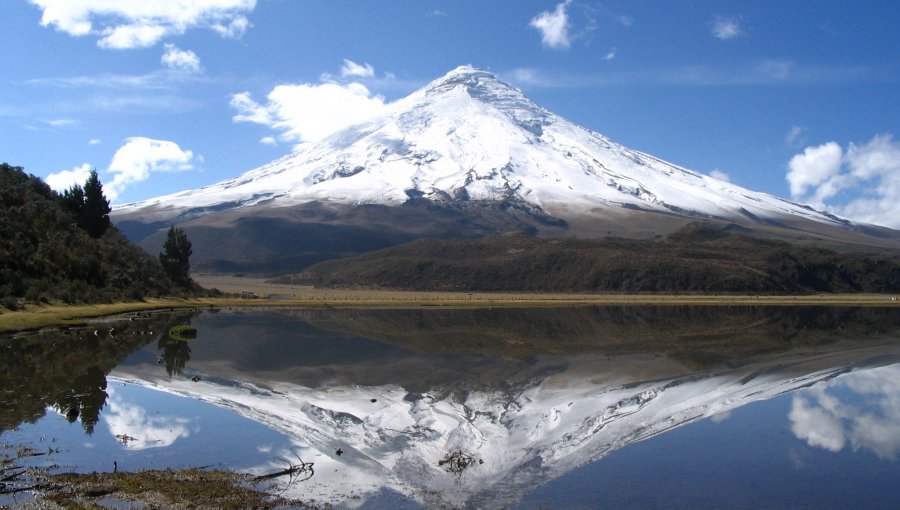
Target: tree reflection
(85,399)
(66,370)
(175,354)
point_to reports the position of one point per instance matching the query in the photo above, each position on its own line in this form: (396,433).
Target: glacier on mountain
(468,136)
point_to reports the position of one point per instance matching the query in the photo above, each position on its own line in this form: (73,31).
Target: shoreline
(35,317)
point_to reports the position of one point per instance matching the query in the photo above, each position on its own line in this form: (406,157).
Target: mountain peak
(465,72)
(467,139)
(479,84)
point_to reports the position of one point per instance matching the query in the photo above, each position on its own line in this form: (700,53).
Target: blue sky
(800,99)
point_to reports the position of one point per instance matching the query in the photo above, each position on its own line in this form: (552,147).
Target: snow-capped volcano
(468,136)
(465,156)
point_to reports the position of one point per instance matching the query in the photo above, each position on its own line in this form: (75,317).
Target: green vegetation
(183,332)
(61,248)
(696,259)
(89,206)
(175,258)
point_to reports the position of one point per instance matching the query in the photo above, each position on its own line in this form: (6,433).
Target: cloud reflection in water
(860,411)
(140,429)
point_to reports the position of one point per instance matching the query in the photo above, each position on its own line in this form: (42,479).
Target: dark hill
(696,259)
(44,256)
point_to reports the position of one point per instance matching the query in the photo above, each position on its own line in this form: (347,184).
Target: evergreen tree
(96,207)
(175,257)
(89,206)
(73,201)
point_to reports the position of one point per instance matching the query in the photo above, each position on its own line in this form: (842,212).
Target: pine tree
(89,206)
(73,201)
(175,257)
(96,207)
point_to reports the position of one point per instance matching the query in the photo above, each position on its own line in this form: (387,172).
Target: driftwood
(302,470)
(456,461)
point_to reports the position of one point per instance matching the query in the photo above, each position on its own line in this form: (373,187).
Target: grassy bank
(34,317)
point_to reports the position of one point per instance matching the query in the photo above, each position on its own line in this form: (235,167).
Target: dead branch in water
(456,461)
(303,471)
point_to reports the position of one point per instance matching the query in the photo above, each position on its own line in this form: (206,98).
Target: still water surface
(568,408)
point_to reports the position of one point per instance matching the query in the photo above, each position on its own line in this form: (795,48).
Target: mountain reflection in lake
(481,407)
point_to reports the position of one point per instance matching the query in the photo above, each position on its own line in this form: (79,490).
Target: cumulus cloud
(869,172)
(125,24)
(818,168)
(268,140)
(554,26)
(175,58)
(309,112)
(134,161)
(725,28)
(352,69)
(65,179)
(869,420)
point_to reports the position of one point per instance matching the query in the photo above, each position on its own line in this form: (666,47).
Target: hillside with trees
(62,248)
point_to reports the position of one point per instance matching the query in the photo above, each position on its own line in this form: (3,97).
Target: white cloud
(876,167)
(816,167)
(139,156)
(65,179)
(124,37)
(720,175)
(124,24)
(610,55)
(352,69)
(554,26)
(720,417)
(725,28)
(58,123)
(268,140)
(793,136)
(235,28)
(878,158)
(774,68)
(534,77)
(94,141)
(309,112)
(176,58)
(870,172)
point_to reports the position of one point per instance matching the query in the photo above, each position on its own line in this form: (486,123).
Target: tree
(176,255)
(89,206)
(73,201)
(96,207)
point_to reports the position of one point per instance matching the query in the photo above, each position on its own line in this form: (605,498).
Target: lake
(584,407)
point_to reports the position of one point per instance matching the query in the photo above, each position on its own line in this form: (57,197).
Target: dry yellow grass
(274,295)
